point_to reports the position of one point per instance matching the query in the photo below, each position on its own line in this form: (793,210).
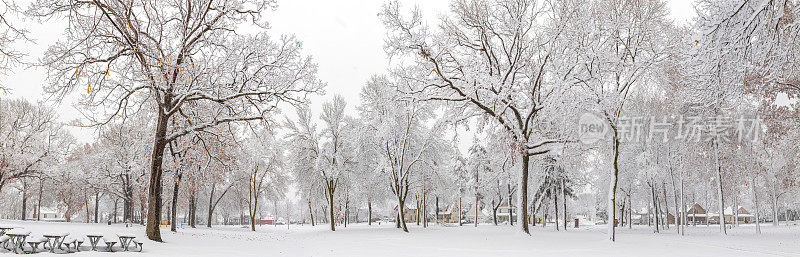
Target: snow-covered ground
(485,240)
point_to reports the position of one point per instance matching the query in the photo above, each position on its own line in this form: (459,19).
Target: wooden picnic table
(125,240)
(18,239)
(94,238)
(55,240)
(3,229)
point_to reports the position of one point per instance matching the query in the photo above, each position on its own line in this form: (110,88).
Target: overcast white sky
(344,37)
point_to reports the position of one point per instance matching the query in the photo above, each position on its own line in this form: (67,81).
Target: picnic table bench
(35,244)
(137,243)
(4,241)
(73,243)
(55,240)
(125,240)
(17,239)
(109,244)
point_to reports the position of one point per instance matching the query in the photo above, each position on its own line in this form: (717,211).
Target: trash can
(576,223)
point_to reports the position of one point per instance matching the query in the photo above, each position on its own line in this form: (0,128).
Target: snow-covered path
(486,240)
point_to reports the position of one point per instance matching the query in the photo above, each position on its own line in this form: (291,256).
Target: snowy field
(486,240)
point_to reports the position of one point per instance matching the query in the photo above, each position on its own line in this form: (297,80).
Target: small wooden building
(409,213)
(742,216)
(695,214)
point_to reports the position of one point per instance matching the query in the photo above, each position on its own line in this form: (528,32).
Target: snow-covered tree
(10,32)
(406,144)
(32,139)
(337,155)
(175,57)
(502,61)
(121,150)
(327,156)
(624,43)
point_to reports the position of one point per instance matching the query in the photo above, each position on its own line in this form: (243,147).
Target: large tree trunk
(324,217)
(96,205)
(494,213)
(522,201)
(708,203)
(25,203)
(476,208)
(510,207)
(154,191)
(612,203)
(39,201)
(775,195)
(755,199)
(402,215)
(721,196)
(193,210)
(684,217)
(275,205)
(459,211)
(114,213)
(655,206)
(347,209)
(418,209)
(424,207)
(310,213)
(564,201)
(142,210)
(369,210)
(666,204)
(544,213)
(437,210)
(174,212)
(476,196)
(127,205)
(330,203)
(622,218)
(555,209)
(211,205)
(629,212)
(678,214)
(735,210)
(252,199)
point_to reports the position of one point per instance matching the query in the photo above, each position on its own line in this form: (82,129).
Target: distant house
(447,215)
(246,220)
(51,214)
(451,214)
(695,214)
(742,216)
(456,214)
(639,217)
(409,213)
(670,218)
(483,214)
(506,212)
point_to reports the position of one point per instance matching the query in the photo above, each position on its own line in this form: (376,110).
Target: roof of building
(740,210)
